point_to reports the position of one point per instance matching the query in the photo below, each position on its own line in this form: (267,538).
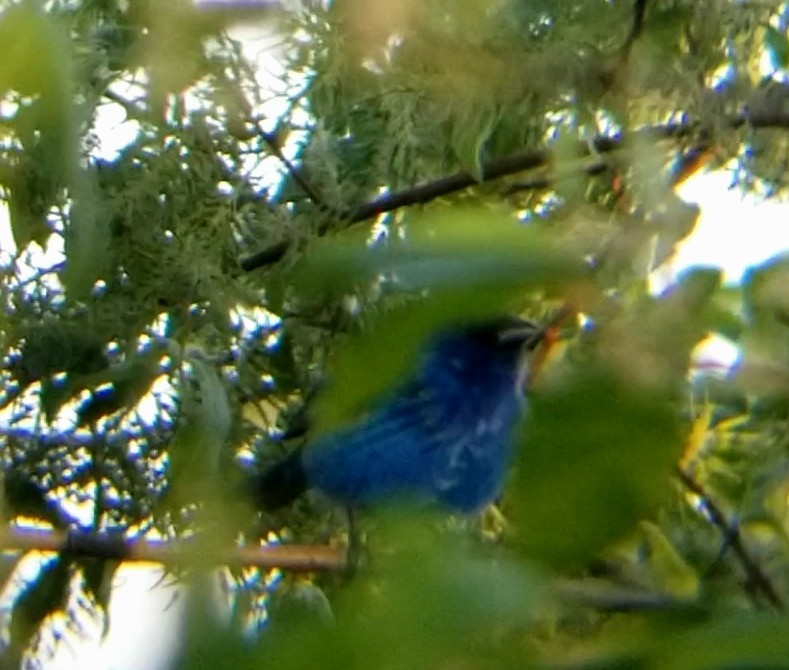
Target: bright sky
(734,232)
(146,612)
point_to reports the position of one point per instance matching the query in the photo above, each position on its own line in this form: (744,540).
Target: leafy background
(262,261)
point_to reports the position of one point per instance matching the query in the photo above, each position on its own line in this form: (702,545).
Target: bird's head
(505,336)
(495,348)
(505,333)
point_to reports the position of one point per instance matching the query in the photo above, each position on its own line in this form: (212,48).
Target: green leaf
(570,180)
(596,455)
(454,248)
(468,139)
(215,413)
(87,240)
(204,425)
(120,386)
(28,202)
(744,641)
(37,63)
(669,571)
(765,299)
(429,601)
(776,45)
(30,38)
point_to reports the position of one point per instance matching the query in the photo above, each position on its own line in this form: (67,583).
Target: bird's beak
(521,331)
(529,333)
(533,335)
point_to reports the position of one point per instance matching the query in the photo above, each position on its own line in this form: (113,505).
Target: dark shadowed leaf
(119,386)
(40,597)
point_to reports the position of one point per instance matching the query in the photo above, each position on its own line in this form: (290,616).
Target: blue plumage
(444,436)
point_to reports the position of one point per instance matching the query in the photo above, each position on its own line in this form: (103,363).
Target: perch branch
(293,557)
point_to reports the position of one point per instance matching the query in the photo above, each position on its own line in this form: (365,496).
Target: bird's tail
(280,484)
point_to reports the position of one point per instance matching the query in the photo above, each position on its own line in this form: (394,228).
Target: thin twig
(295,174)
(753,571)
(132,109)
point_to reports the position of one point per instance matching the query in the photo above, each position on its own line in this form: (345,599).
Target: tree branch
(637,27)
(295,173)
(756,578)
(771,117)
(293,557)
(423,193)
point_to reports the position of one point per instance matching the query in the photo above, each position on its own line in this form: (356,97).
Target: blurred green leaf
(87,240)
(429,602)
(570,179)
(205,424)
(119,386)
(755,641)
(670,573)
(390,347)
(445,249)
(37,64)
(596,455)
(299,602)
(29,198)
(177,58)
(469,138)
(765,299)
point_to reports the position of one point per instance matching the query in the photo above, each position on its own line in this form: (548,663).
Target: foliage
(171,308)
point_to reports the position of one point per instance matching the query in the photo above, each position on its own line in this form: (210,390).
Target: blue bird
(444,436)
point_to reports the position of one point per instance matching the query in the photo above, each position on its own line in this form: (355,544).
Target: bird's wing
(392,451)
(421,443)
(470,446)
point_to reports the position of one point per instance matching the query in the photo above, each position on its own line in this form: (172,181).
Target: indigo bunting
(443,436)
